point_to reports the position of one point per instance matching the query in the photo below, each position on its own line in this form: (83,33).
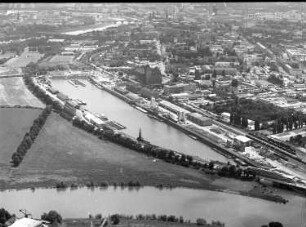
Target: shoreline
(84,184)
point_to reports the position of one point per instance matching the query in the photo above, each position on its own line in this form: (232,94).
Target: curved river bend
(233,210)
(158,133)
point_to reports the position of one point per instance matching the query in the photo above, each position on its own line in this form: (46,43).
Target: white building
(28,222)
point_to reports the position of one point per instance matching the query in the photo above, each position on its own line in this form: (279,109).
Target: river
(101,28)
(158,133)
(234,210)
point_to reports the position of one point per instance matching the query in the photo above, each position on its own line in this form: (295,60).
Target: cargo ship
(81,102)
(142,110)
(77,82)
(102,117)
(152,116)
(193,137)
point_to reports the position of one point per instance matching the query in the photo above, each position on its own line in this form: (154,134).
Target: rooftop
(27,222)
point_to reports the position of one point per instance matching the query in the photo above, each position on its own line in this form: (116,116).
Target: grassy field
(56,60)
(14,92)
(24,59)
(62,152)
(15,122)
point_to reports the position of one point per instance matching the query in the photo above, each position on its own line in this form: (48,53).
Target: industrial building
(199,119)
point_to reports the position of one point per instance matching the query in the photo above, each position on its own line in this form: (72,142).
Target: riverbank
(131,221)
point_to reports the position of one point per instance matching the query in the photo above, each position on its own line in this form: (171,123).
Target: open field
(57,60)
(15,122)
(24,59)
(14,92)
(7,71)
(62,152)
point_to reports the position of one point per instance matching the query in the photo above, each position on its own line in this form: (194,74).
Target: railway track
(273,147)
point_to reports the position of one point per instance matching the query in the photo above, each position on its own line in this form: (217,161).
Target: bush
(98,216)
(4,215)
(52,217)
(115,219)
(201,221)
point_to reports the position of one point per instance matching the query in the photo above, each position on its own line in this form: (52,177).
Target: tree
(211,165)
(257,125)
(4,216)
(98,216)
(235,83)
(244,122)
(197,75)
(207,77)
(201,221)
(275,224)
(223,73)
(52,217)
(214,74)
(115,219)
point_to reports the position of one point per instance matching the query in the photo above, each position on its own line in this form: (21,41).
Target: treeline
(41,94)
(167,218)
(19,106)
(30,137)
(244,109)
(103,184)
(233,171)
(289,121)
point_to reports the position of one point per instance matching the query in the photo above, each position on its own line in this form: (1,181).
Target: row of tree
(234,171)
(30,137)
(237,119)
(273,224)
(242,109)
(170,218)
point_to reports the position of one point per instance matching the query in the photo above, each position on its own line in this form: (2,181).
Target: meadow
(62,152)
(24,59)
(14,92)
(15,122)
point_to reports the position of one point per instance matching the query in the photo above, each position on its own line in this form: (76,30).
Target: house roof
(26,222)
(243,139)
